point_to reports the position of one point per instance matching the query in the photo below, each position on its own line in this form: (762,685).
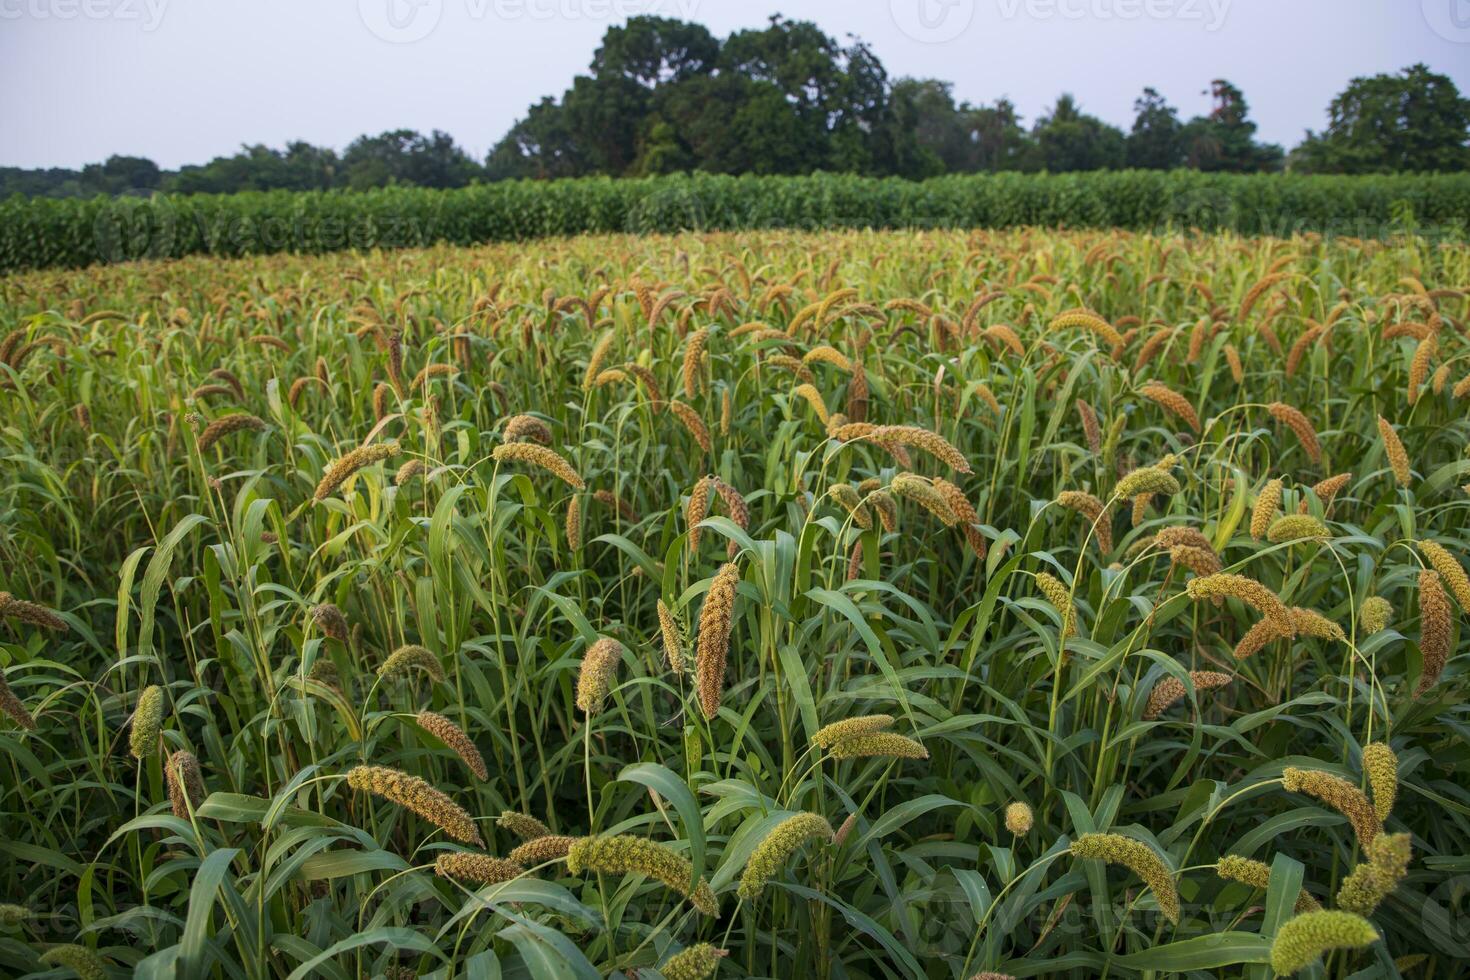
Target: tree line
(663,96)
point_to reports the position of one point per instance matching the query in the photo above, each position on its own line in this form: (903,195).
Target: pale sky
(182,81)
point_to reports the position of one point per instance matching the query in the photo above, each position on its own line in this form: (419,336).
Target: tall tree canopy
(1415,120)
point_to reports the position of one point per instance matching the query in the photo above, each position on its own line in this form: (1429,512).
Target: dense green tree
(1414,120)
(1068,139)
(1226,138)
(299,167)
(1155,142)
(403,156)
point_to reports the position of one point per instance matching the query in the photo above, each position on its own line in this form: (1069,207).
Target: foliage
(843,703)
(40,233)
(1413,121)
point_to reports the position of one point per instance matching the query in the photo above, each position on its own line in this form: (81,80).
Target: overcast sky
(182,81)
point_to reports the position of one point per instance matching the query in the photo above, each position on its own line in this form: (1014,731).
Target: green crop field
(839,604)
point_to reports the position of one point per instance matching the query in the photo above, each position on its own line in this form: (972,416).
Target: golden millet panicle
(697,509)
(1374,879)
(1339,794)
(697,962)
(813,397)
(716,619)
(542,849)
(1139,858)
(1398,459)
(1449,570)
(920,438)
(1247,590)
(482,869)
(1381,766)
(227,424)
(627,854)
(1091,432)
(1298,423)
(520,428)
(1435,628)
(30,613)
(1262,633)
(339,470)
(453,736)
(1170,690)
(848,499)
(1061,599)
(691,421)
(540,457)
(914,487)
(1303,939)
(1018,818)
(1257,874)
(524,826)
(1328,489)
(599,664)
(329,619)
(966,516)
(409,657)
(13,707)
(597,358)
(574,523)
(417,796)
(1268,502)
(1086,320)
(1374,614)
(878,744)
(693,360)
(771,854)
(1090,507)
(1174,402)
(829,735)
(672,636)
(185,783)
(147,722)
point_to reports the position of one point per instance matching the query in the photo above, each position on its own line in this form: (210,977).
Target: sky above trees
(185,82)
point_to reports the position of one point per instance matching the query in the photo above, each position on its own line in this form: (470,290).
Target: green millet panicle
(1257,874)
(1061,599)
(1339,794)
(1139,858)
(1381,766)
(829,735)
(878,744)
(1374,614)
(1375,879)
(776,847)
(522,825)
(1302,940)
(1296,527)
(627,854)
(482,869)
(695,962)
(79,959)
(147,722)
(417,796)
(1148,479)
(542,849)
(408,657)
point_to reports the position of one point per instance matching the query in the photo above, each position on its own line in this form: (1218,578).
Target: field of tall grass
(772,604)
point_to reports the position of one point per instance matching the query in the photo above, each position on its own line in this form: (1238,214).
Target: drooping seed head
(627,854)
(1339,794)
(1139,858)
(482,869)
(1303,939)
(411,657)
(888,745)
(771,854)
(453,736)
(416,796)
(1381,766)
(540,457)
